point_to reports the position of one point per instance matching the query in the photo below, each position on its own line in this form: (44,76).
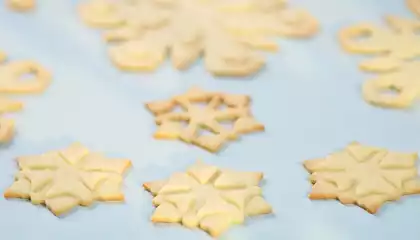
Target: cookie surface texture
(229,35)
(396,47)
(208,197)
(68,178)
(363,175)
(202,110)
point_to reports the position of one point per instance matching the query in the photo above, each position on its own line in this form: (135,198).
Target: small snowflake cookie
(67,178)
(363,175)
(203,112)
(208,197)
(228,34)
(397,48)
(21,5)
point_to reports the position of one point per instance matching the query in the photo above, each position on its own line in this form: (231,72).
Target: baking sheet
(308,97)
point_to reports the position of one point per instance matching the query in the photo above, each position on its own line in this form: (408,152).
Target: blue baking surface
(308,97)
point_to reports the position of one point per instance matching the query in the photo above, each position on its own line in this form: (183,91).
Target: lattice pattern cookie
(188,125)
(67,178)
(363,175)
(396,47)
(208,197)
(227,33)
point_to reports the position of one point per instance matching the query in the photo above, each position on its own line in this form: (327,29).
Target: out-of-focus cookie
(363,175)
(21,5)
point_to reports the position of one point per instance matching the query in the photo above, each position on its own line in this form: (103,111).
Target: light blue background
(308,97)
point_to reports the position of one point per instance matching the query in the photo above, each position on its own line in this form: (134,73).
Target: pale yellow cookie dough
(36,81)
(21,5)
(3,56)
(188,124)
(208,197)
(414,6)
(9,105)
(396,48)
(363,175)
(150,31)
(68,178)
(7,130)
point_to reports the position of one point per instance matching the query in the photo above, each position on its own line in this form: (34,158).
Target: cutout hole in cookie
(391,92)
(228,124)
(205,132)
(27,77)
(362,36)
(178,109)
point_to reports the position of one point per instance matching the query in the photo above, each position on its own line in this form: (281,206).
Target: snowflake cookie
(363,175)
(396,48)
(67,178)
(208,197)
(189,124)
(227,33)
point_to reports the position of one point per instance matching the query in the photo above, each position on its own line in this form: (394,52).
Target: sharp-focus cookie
(208,197)
(68,178)
(188,124)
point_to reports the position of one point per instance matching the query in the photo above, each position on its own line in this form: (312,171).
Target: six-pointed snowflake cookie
(363,175)
(396,47)
(208,197)
(203,110)
(227,33)
(68,178)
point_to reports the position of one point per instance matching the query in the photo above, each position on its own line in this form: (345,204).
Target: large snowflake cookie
(189,124)
(363,175)
(208,197)
(396,49)
(228,33)
(67,178)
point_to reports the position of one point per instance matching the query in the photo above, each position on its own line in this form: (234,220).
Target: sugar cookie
(208,197)
(149,31)
(11,74)
(7,130)
(9,105)
(21,5)
(396,46)
(363,175)
(414,6)
(197,118)
(102,13)
(67,178)
(3,56)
